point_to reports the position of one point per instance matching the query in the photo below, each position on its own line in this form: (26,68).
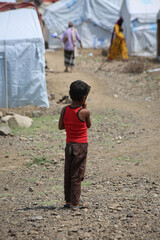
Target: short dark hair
(79,89)
(70,24)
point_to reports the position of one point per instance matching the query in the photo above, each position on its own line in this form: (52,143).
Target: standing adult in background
(118,47)
(69,38)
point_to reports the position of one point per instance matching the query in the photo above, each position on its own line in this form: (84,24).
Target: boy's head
(79,90)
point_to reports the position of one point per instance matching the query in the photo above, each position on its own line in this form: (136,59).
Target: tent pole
(6,76)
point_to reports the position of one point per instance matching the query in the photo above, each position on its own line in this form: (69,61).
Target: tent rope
(6,76)
(146,13)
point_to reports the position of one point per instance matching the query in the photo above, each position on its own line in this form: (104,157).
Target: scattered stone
(37,114)
(1,114)
(4,131)
(5,119)
(73,229)
(51,96)
(114,206)
(23,139)
(136,164)
(31,189)
(20,121)
(12,233)
(10,113)
(61,236)
(121,207)
(64,98)
(36,218)
(129,175)
(130,215)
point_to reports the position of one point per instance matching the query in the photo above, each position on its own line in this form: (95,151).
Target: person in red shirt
(75,119)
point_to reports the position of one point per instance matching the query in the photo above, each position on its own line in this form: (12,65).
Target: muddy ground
(122,182)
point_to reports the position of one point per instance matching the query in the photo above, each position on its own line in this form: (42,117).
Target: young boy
(75,119)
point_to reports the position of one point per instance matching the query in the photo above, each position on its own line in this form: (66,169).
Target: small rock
(6,118)
(51,96)
(36,218)
(74,229)
(12,233)
(129,174)
(130,215)
(114,206)
(37,114)
(31,189)
(23,138)
(136,164)
(87,235)
(4,131)
(20,121)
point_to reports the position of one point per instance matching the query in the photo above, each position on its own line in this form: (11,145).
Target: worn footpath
(122,182)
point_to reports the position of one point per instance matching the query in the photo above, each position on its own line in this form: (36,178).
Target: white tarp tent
(9,1)
(140,26)
(158,15)
(93,19)
(22,62)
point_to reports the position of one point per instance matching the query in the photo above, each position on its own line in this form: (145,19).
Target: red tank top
(76,129)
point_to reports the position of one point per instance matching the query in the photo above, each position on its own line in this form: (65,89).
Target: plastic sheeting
(140,26)
(9,1)
(93,19)
(22,62)
(158,15)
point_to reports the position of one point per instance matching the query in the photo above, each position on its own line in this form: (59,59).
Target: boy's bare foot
(80,206)
(74,207)
(83,205)
(67,205)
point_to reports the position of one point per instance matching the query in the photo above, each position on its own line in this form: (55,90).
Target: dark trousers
(75,164)
(69,58)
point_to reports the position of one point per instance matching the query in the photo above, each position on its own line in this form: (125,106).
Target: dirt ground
(122,182)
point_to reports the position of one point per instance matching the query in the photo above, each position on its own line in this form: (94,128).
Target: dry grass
(135,66)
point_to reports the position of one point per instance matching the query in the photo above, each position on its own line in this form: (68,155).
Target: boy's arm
(88,119)
(61,123)
(84,114)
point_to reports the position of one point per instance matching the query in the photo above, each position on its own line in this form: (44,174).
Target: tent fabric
(22,63)
(10,6)
(11,1)
(27,30)
(158,15)
(93,19)
(140,26)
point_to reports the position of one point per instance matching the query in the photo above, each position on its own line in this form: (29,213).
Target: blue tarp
(94,20)
(22,61)
(140,26)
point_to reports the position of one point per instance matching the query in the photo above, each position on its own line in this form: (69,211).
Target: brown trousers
(74,170)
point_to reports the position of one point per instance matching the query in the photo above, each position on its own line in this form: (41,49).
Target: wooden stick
(6,77)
